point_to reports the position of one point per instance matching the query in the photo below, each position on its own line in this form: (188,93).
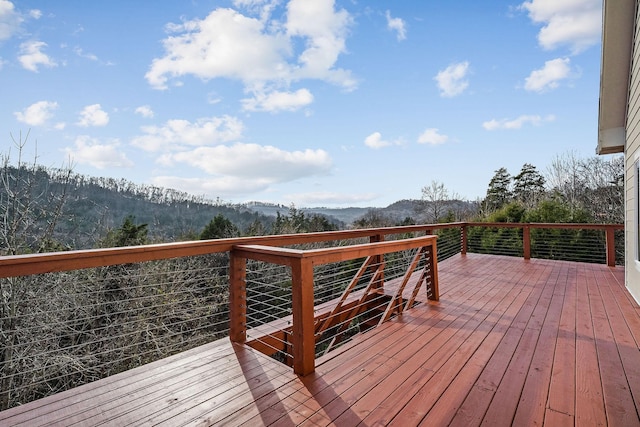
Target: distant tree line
(574,189)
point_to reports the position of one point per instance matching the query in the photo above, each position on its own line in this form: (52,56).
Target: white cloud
(254,4)
(432,136)
(253,161)
(452,81)
(324,30)
(218,186)
(517,123)
(211,145)
(228,44)
(37,114)
(90,151)
(145,111)
(32,56)
(78,51)
(178,134)
(263,8)
(35,13)
(575,23)
(323,198)
(224,44)
(10,20)
(278,101)
(93,115)
(397,25)
(549,76)
(213,98)
(376,142)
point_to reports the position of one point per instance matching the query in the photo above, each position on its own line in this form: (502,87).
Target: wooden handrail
(283,256)
(20,265)
(562,225)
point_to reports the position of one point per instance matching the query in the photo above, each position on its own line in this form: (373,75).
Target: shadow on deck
(510,342)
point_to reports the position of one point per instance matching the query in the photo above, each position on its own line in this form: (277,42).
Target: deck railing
(298,342)
(68,318)
(594,243)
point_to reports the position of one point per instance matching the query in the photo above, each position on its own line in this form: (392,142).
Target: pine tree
(219,228)
(128,234)
(499,191)
(528,185)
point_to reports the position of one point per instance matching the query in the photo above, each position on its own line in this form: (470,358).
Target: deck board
(510,342)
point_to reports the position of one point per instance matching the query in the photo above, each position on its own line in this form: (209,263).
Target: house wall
(632,156)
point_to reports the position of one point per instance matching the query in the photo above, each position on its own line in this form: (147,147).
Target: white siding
(632,154)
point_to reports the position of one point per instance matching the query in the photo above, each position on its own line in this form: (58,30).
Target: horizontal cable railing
(568,245)
(268,300)
(593,243)
(495,240)
(364,309)
(449,242)
(59,330)
(69,318)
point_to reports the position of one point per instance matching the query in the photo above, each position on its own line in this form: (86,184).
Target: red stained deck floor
(510,342)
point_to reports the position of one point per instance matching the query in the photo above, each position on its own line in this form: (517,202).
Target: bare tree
(29,207)
(594,184)
(565,178)
(436,201)
(29,212)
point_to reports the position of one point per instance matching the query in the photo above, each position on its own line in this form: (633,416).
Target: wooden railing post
(611,247)
(377,264)
(237,298)
(303,333)
(526,241)
(464,240)
(433,287)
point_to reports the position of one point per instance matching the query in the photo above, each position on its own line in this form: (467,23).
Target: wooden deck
(511,342)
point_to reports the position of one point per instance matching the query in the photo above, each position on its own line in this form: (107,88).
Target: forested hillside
(52,209)
(45,209)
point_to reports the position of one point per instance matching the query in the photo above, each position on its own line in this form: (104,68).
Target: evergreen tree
(499,191)
(128,234)
(297,222)
(219,228)
(511,212)
(528,185)
(256,228)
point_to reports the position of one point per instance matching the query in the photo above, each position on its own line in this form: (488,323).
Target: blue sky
(310,102)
